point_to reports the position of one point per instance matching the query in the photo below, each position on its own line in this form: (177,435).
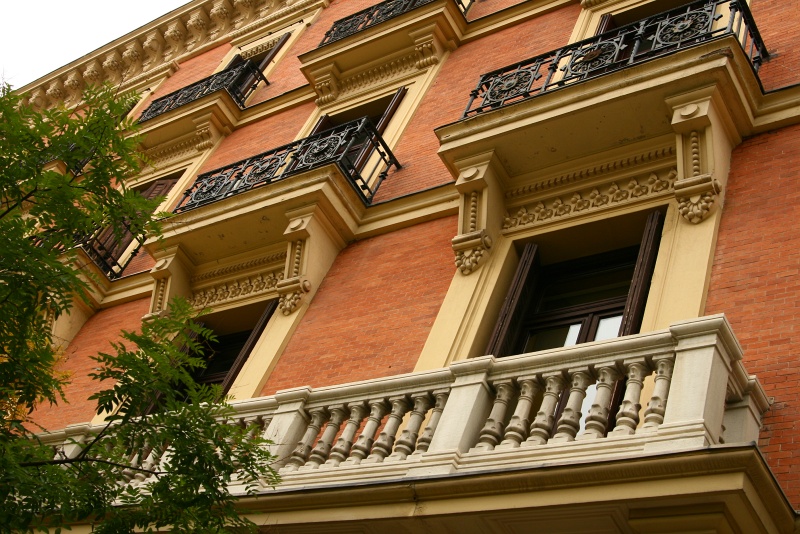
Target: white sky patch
(37,38)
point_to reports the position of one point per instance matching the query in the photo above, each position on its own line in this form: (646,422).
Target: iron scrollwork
(350,146)
(659,35)
(232,80)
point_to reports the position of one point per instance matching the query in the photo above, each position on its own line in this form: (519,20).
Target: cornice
(155,49)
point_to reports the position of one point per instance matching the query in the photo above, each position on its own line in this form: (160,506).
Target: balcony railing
(376,14)
(351,146)
(684,388)
(656,36)
(239,81)
(105,250)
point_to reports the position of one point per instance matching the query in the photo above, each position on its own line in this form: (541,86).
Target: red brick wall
(271,132)
(372,313)
(190,71)
(755,282)
(96,336)
(448,96)
(286,75)
(777,23)
(482,8)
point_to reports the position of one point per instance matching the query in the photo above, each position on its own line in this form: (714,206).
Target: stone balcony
(689,409)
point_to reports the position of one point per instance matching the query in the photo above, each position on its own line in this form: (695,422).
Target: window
(237,332)
(261,61)
(611,21)
(590,298)
(106,247)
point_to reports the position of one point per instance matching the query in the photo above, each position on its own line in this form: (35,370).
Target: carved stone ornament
(696,196)
(237,288)
(291,292)
(590,200)
(470,249)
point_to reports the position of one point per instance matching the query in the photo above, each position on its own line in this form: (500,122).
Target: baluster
(654,414)
(628,416)
(363,444)
(425,439)
(542,426)
(492,431)
(408,438)
(570,421)
(323,447)
(637,42)
(300,453)
(340,451)
(597,419)
(148,461)
(517,429)
(551,70)
(383,445)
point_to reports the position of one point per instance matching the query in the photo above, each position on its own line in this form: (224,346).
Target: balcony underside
(721,489)
(605,113)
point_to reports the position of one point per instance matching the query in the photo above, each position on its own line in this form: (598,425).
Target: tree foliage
(62,175)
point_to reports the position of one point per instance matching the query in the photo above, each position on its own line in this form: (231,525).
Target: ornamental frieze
(590,200)
(236,289)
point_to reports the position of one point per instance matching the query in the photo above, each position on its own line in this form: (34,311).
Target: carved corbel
(294,284)
(705,136)
(479,211)
(38,98)
(74,86)
(174,38)
(208,130)
(198,25)
(696,196)
(133,58)
(153,47)
(429,46)
(326,84)
(246,9)
(171,278)
(113,66)
(93,73)
(221,14)
(56,92)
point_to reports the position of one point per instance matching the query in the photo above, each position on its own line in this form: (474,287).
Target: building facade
(485,266)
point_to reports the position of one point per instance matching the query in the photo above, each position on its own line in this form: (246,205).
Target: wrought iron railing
(105,250)
(351,146)
(235,80)
(659,35)
(366,18)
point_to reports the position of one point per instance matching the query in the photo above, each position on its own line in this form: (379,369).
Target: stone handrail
(683,388)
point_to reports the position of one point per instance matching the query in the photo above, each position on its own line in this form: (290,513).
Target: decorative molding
(588,4)
(590,200)
(156,50)
(161,154)
(394,68)
(697,193)
(231,269)
(238,288)
(470,249)
(598,170)
(292,288)
(258,49)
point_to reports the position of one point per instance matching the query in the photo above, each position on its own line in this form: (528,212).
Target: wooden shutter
(606,24)
(508,328)
(391,109)
(642,274)
(323,123)
(261,64)
(238,363)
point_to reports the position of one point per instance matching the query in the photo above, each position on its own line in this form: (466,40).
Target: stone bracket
(470,248)
(696,196)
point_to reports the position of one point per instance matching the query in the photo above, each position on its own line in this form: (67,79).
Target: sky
(40,37)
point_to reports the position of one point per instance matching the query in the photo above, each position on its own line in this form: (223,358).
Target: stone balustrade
(680,389)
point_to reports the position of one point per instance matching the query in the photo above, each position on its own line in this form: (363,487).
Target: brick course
(96,336)
(755,282)
(448,95)
(373,311)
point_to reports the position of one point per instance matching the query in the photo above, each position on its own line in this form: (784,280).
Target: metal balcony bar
(350,146)
(106,255)
(656,36)
(231,80)
(376,14)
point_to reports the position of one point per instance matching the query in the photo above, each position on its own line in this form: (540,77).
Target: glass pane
(550,338)
(608,328)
